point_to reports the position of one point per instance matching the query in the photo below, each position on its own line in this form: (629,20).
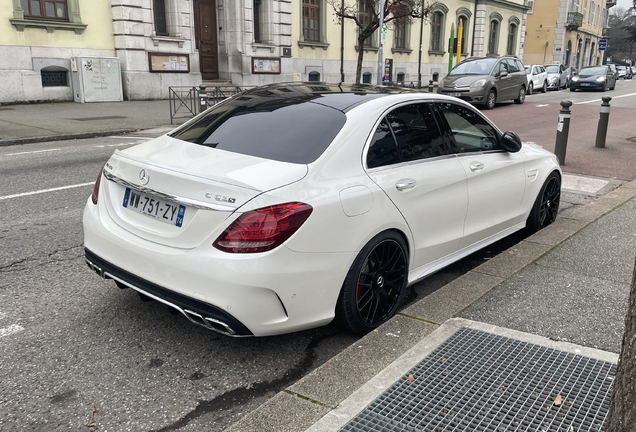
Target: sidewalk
(26,123)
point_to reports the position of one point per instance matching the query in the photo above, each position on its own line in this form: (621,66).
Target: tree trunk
(622,413)
(360,58)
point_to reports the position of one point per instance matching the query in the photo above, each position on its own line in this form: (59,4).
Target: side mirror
(503,74)
(510,142)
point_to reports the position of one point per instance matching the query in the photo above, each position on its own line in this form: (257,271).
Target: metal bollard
(563,128)
(203,99)
(430,86)
(603,121)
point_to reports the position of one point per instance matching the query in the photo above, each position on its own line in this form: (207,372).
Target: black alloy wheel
(545,208)
(375,284)
(545,87)
(530,88)
(522,96)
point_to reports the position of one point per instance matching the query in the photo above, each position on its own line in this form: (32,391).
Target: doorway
(206,35)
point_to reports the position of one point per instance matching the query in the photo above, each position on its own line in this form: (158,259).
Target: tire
(613,87)
(375,285)
(545,87)
(572,90)
(530,88)
(546,206)
(522,96)
(491,99)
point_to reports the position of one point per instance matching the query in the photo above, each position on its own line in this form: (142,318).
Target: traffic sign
(602,44)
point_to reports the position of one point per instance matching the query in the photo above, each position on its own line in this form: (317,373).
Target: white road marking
(542,105)
(30,152)
(46,190)
(127,137)
(115,145)
(13,328)
(599,100)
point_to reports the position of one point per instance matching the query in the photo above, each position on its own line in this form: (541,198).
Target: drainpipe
(472,44)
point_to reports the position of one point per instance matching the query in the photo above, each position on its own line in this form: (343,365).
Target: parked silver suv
(487,80)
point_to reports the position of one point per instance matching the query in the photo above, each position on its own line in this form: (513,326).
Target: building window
(365,20)
(400,33)
(45,9)
(161,24)
(256,18)
(314,76)
(512,39)
(592,10)
(598,14)
(493,34)
(400,77)
(436,31)
(311,20)
(366,78)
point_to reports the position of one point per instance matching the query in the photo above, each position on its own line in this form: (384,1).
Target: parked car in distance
(486,81)
(288,206)
(556,76)
(537,78)
(569,73)
(624,72)
(594,78)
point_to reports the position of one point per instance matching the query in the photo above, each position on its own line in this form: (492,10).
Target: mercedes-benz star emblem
(144,177)
(380,281)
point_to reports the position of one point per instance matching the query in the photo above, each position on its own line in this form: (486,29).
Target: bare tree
(366,16)
(622,414)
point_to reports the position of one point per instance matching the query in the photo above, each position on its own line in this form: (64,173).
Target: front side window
(311,20)
(436,31)
(471,132)
(45,9)
(492,41)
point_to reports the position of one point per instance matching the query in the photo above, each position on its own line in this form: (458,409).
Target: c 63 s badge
(221,198)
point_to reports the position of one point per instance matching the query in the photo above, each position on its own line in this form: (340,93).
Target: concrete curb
(328,387)
(82,135)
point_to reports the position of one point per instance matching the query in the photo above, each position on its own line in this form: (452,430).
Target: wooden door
(205,11)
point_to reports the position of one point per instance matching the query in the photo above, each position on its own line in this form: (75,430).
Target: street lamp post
(380,54)
(419,57)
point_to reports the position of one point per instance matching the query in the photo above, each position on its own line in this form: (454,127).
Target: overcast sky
(625,4)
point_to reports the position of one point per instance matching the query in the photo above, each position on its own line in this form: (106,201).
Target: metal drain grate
(477,381)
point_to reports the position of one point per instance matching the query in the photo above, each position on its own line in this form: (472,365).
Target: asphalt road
(78,350)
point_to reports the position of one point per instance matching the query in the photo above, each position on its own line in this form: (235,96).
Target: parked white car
(537,78)
(557,78)
(290,205)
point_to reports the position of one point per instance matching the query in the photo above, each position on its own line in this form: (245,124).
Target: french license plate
(454,94)
(585,84)
(155,208)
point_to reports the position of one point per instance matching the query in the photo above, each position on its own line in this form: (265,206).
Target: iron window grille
(54,78)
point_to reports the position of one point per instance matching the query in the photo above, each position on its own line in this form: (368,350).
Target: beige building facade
(566,31)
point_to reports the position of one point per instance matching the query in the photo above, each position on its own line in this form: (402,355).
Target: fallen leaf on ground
(411,378)
(558,400)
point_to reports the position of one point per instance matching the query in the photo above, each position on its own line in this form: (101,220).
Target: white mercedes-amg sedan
(292,205)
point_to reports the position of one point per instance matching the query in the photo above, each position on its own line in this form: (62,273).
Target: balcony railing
(575,20)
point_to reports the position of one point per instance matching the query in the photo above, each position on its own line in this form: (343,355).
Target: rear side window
(416,132)
(278,130)
(382,150)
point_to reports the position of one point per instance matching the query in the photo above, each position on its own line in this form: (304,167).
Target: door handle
(476,166)
(405,184)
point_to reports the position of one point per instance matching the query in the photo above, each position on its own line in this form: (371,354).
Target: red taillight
(95,195)
(263,229)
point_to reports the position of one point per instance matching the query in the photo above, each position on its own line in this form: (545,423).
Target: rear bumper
(198,312)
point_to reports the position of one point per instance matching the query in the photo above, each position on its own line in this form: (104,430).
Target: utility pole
(342,21)
(380,55)
(419,57)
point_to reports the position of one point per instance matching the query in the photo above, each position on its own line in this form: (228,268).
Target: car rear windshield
(552,69)
(292,130)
